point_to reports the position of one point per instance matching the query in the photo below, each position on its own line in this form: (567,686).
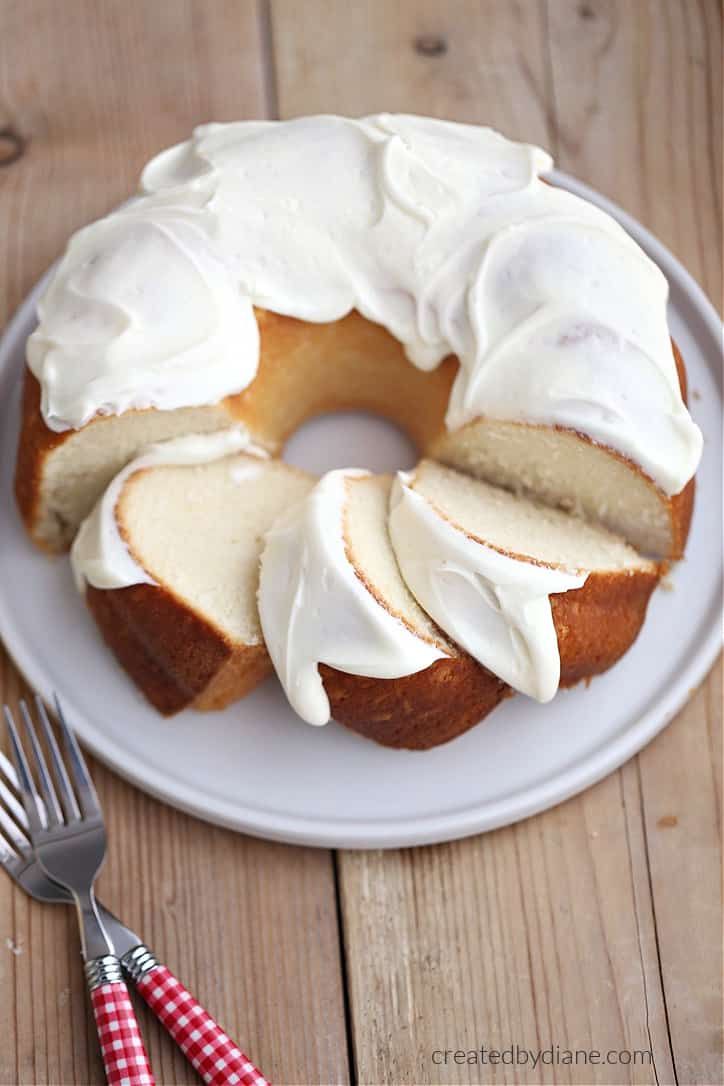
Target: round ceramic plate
(256,767)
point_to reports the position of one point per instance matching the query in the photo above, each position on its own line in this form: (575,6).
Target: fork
(69,840)
(208,1048)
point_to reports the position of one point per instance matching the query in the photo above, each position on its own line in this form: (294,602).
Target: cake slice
(538,596)
(60,475)
(566,469)
(347,638)
(168,561)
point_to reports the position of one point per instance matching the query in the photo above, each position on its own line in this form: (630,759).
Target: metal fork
(18,858)
(69,841)
(205,1044)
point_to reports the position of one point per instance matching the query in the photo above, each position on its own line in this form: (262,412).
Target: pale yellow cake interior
(563,470)
(519,526)
(200,530)
(370,550)
(80,469)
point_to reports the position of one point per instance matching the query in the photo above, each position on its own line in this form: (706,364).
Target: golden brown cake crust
(596,624)
(247,666)
(174,656)
(417,711)
(36,442)
(178,659)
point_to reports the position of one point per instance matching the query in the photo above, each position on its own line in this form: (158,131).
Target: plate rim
(406,832)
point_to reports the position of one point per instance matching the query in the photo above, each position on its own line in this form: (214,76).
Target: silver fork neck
(100,971)
(95,942)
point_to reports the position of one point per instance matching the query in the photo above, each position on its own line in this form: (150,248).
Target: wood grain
(596,924)
(567,929)
(537,935)
(94,89)
(463,60)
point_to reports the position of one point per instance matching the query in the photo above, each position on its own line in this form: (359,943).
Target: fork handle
(203,1042)
(124,1056)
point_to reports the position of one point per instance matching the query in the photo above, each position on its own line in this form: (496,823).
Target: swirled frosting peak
(142,312)
(443,233)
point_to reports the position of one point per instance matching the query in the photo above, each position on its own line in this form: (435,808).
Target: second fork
(69,839)
(210,1050)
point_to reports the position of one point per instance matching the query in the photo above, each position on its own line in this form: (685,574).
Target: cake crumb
(666,584)
(695,394)
(13,947)
(667,822)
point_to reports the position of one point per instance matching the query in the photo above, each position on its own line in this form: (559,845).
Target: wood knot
(430,45)
(586,11)
(12,146)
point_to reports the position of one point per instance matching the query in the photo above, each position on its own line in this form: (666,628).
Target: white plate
(257,768)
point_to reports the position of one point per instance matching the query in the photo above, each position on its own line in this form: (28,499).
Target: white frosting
(443,233)
(494,606)
(99,555)
(315,609)
(142,312)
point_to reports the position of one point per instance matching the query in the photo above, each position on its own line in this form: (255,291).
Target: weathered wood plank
(95,89)
(461,59)
(537,936)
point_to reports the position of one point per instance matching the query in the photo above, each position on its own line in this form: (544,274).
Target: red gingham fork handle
(124,1057)
(202,1040)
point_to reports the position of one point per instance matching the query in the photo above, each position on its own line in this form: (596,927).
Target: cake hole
(350,439)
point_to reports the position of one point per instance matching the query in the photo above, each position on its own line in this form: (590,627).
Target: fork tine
(53,814)
(70,803)
(9,855)
(11,832)
(13,820)
(9,791)
(7,771)
(26,784)
(87,796)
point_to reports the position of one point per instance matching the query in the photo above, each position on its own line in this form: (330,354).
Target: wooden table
(596,925)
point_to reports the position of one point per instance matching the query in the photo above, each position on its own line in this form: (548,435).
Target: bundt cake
(169,564)
(423,270)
